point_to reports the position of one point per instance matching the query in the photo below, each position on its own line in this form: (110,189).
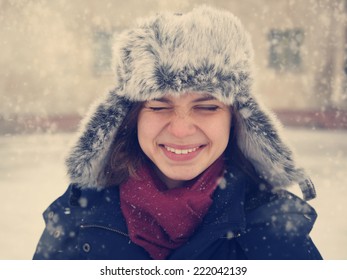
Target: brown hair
(126,155)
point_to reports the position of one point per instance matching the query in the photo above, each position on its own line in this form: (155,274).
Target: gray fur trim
(207,51)
(87,157)
(258,138)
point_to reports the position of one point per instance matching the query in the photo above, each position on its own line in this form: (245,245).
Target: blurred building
(55,56)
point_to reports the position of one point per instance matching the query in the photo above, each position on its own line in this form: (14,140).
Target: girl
(180,161)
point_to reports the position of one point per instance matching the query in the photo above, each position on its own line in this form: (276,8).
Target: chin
(182,178)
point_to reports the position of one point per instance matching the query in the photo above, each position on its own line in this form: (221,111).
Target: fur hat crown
(205,50)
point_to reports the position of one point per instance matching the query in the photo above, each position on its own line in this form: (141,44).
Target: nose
(181,125)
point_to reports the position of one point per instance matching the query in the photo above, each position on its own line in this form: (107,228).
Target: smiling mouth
(181,151)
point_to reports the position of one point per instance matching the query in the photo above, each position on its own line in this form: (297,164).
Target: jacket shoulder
(63,219)
(282,210)
(59,230)
(278,226)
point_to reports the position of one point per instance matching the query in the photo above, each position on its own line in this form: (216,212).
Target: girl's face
(183,135)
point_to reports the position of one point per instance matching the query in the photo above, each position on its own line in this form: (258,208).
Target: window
(284,52)
(102,49)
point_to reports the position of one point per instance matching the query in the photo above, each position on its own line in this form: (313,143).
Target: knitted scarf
(161,219)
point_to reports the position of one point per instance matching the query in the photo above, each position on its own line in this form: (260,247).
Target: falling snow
(34,175)
(48,52)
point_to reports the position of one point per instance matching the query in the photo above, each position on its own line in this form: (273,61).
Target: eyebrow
(203,98)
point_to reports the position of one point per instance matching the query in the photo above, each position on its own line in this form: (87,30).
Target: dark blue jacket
(242,223)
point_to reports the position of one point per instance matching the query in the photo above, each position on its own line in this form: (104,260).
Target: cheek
(147,130)
(142,131)
(220,129)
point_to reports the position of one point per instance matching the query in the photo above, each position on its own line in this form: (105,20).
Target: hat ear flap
(258,139)
(88,156)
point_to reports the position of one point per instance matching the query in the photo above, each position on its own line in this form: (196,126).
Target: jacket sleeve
(279,230)
(58,240)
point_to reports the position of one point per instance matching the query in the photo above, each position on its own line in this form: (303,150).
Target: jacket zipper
(105,228)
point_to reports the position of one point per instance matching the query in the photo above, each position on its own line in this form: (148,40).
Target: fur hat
(205,50)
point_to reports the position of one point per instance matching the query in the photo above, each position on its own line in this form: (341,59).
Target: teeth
(180,152)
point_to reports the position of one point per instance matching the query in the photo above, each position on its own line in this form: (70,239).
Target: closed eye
(210,108)
(157,109)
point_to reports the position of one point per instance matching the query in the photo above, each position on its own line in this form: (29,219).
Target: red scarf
(160,219)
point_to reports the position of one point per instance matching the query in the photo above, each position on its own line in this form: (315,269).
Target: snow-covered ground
(32,175)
